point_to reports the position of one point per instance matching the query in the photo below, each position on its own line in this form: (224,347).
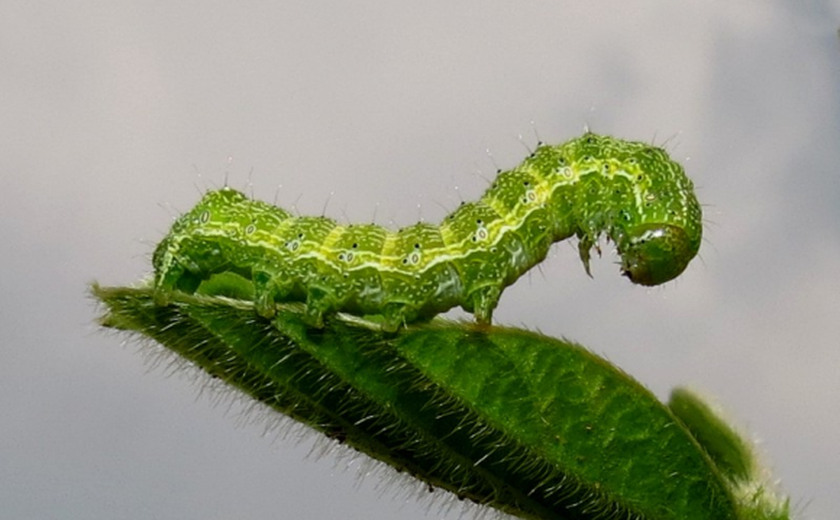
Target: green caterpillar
(592,185)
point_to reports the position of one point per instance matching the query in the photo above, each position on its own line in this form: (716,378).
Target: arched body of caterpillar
(590,186)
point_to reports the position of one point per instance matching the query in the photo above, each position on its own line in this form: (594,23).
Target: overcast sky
(115,116)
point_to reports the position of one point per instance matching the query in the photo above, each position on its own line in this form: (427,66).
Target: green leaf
(533,426)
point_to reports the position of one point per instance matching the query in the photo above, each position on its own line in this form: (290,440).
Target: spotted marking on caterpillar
(593,185)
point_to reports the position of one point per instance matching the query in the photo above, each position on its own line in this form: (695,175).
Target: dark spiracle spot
(355,245)
(417,246)
(479,221)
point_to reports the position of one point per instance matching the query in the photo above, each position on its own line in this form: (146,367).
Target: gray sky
(114,116)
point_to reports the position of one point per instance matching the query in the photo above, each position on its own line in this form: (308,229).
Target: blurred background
(116,116)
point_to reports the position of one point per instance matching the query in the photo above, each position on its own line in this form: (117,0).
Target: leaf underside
(533,426)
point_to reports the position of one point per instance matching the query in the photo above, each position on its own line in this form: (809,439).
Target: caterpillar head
(657,253)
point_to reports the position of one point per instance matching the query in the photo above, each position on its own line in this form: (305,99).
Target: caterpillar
(593,185)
